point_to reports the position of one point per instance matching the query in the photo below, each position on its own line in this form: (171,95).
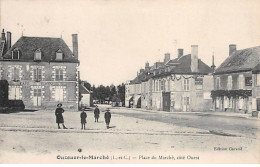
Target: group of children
(83,116)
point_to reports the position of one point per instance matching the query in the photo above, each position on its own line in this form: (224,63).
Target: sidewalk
(226,114)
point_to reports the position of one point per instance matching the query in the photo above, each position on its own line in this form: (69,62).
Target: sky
(117,37)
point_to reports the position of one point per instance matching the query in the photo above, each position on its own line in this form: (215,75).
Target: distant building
(181,84)
(237,81)
(86,96)
(41,71)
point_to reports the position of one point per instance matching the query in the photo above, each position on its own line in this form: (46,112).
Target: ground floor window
(59,93)
(14,93)
(241,103)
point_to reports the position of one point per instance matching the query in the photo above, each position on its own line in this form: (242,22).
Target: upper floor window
(37,74)
(59,55)
(15,74)
(229,83)
(199,82)
(16,54)
(162,85)
(169,85)
(59,74)
(258,79)
(217,83)
(38,55)
(186,84)
(241,83)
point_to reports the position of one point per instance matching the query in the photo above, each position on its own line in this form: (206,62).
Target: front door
(166,101)
(186,104)
(37,97)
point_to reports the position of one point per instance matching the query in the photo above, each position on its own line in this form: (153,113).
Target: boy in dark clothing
(107,117)
(83,116)
(96,114)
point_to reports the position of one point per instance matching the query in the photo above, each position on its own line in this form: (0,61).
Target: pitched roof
(2,44)
(256,68)
(48,46)
(83,89)
(177,66)
(240,60)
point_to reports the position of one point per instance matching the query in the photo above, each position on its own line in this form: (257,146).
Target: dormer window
(38,55)
(59,55)
(16,54)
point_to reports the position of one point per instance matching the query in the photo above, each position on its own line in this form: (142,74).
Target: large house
(180,84)
(41,71)
(237,81)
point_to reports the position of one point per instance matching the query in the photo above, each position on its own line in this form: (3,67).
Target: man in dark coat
(107,117)
(59,117)
(96,114)
(83,116)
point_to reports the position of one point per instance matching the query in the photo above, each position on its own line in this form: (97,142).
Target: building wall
(68,87)
(255,92)
(240,104)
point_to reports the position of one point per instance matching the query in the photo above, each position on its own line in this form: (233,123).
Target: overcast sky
(117,37)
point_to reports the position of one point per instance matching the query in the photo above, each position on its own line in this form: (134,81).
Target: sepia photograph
(129,82)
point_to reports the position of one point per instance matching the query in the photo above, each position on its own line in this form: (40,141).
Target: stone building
(180,84)
(41,71)
(237,81)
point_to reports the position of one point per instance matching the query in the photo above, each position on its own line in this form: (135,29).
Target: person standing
(83,116)
(107,117)
(96,113)
(59,117)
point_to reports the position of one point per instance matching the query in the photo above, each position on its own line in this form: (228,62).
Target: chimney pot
(180,53)
(167,57)
(75,45)
(232,48)
(3,34)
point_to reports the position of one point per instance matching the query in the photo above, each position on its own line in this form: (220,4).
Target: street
(132,132)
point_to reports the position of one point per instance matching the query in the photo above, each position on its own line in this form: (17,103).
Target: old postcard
(129,81)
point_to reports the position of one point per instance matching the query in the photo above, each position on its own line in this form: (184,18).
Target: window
(14,93)
(156,85)
(15,74)
(217,83)
(59,74)
(199,82)
(15,54)
(241,103)
(229,83)
(186,100)
(241,83)
(162,85)
(37,92)
(59,94)
(258,79)
(186,85)
(38,55)
(37,74)
(59,55)
(169,85)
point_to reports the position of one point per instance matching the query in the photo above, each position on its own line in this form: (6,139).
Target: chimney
(167,57)
(147,66)
(232,48)
(213,64)
(3,35)
(194,58)
(9,40)
(75,45)
(180,53)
